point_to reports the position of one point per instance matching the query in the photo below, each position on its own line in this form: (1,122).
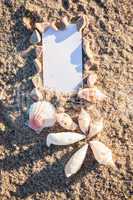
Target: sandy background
(28,169)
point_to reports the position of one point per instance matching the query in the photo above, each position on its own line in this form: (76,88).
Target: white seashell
(91,94)
(91,80)
(95,128)
(76,161)
(42,26)
(38,65)
(84,120)
(35,37)
(102,153)
(41,114)
(66,121)
(36,94)
(64,138)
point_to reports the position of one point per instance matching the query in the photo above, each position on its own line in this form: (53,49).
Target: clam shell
(41,114)
(76,161)
(84,120)
(66,121)
(64,138)
(91,80)
(36,94)
(102,153)
(35,37)
(91,94)
(95,128)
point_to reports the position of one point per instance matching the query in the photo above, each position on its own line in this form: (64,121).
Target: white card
(62,59)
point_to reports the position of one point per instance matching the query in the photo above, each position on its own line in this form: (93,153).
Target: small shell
(42,26)
(76,161)
(87,50)
(38,65)
(102,153)
(37,81)
(65,21)
(95,128)
(84,120)
(41,114)
(35,37)
(28,23)
(36,94)
(64,138)
(91,94)
(91,80)
(66,121)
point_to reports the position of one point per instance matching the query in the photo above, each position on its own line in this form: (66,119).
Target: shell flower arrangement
(43,114)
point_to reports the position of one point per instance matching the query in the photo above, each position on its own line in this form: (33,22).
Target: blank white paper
(62,59)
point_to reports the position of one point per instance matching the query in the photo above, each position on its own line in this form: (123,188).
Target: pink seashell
(91,80)
(84,120)
(91,94)
(66,121)
(41,115)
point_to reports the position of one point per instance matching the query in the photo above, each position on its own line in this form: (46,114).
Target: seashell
(76,161)
(66,121)
(36,94)
(95,128)
(35,37)
(84,120)
(41,114)
(53,26)
(91,94)
(64,138)
(37,81)
(81,22)
(42,26)
(102,153)
(28,23)
(92,78)
(38,65)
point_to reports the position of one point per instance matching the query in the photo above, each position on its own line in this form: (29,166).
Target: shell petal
(95,128)
(41,114)
(66,121)
(76,161)
(102,153)
(64,138)
(84,120)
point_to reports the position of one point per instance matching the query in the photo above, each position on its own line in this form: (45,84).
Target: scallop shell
(66,121)
(91,80)
(84,120)
(102,153)
(91,94)
(36,94)
(38,65)
(41,114)
(76,161)
(95,128)
(64,138)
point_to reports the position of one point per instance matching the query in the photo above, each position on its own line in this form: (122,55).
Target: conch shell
(36,94)
(64,138)
(91,80)
(76,161)
(84,120)
(95,128)
(41,114)
(66,121)
(102,153)
(91,94)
